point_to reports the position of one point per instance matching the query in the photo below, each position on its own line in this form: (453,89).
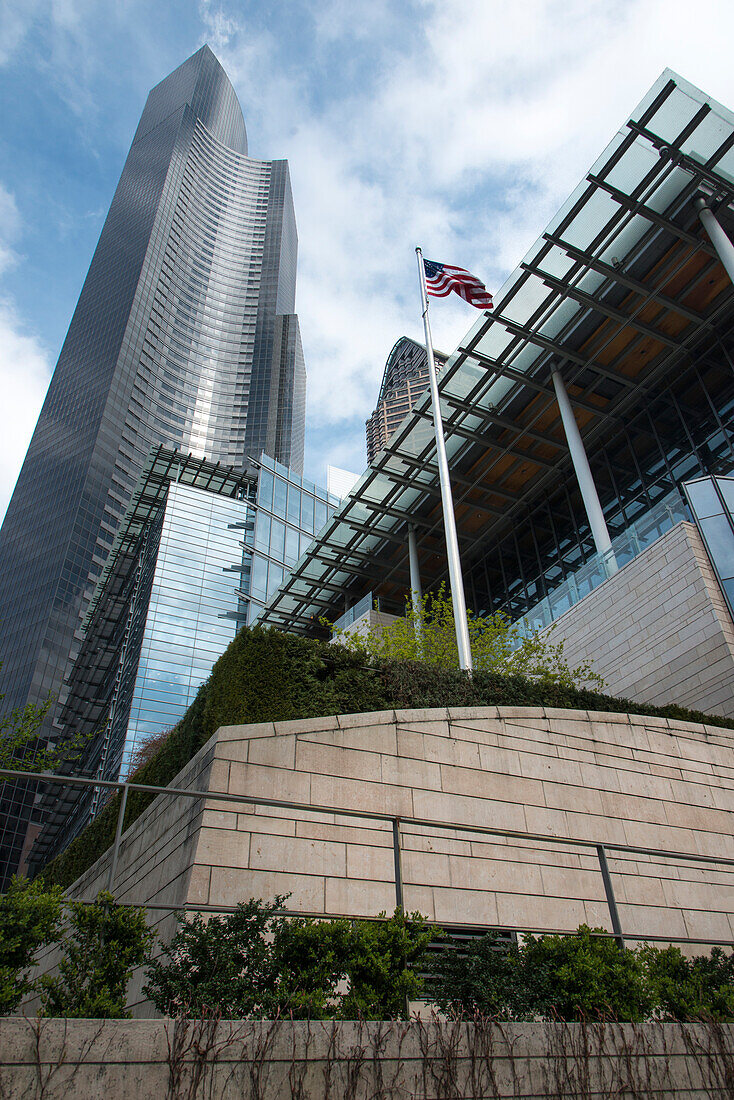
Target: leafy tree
(497,644)
(21,748)
(103,945)
(29,918)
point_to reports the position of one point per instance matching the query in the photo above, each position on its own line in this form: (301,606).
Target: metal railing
(396,821)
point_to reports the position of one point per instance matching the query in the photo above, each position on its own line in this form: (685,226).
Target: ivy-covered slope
(268,676)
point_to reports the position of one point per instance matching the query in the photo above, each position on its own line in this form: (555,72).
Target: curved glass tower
(184,334)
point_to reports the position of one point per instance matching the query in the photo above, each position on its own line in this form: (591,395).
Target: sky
(459,125)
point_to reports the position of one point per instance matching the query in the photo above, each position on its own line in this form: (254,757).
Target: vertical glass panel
(279,497)
(726,486)
(259,584)
(291,546)
(277,540)
(294,505)
(307,512)
(704,498)
(720,543)
(262,532)
(319,515)
(265,489)
(275,576)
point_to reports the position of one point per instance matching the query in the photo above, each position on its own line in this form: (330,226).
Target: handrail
(397,822)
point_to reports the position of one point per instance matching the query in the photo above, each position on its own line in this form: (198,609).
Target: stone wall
(659,630)
(606,778)
(420,1060)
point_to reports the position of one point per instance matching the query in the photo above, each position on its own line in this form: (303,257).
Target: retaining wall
(420,1060)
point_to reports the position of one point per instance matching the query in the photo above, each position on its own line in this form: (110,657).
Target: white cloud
(476,123)
(10,226)
(24,376)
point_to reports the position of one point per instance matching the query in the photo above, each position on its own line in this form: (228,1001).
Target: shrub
(255,963)
(29,918)
(104,944)
(582,976)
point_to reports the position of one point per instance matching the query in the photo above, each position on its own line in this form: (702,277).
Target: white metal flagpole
(449,521)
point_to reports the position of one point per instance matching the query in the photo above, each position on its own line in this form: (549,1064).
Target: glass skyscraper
(184,335)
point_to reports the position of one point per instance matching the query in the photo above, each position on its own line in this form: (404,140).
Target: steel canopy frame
(592,297)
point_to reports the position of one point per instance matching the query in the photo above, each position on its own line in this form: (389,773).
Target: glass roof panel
(494,341)
(417,439)
(591,219)
(625,239)
(465,379)
(725,166)
(526,300)
(377,489)
(706,138)
(673,115)
(590,281)
(634,165)
(556,262)
(559,318)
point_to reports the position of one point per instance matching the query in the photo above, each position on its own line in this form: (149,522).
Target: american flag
(441,279)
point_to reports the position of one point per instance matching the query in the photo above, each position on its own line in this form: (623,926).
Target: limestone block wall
(659,630)
(606,778)
(271,1060)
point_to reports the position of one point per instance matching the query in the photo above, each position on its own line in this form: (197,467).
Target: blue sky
(460,125)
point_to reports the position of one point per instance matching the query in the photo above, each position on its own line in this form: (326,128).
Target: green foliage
(29,917)
(255,963)
(497,644)
(224,964)
(266,675)
(690,988)
(582,976)
(102,946)
(21,748)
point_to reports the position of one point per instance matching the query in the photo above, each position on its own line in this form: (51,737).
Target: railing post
(609,891)
(398,863)
(118,834)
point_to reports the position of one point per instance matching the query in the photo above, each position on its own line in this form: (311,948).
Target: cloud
(25,371)
(470,125)
(10,226)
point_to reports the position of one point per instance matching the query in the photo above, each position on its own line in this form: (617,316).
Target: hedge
(268,676)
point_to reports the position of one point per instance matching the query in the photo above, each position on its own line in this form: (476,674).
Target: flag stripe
(442,279)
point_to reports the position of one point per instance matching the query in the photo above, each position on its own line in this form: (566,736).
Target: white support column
(416,593)
(582,470)
(718,236)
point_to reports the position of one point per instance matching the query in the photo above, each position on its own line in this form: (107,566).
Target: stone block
(277,752)
(475,906)
(365,861)
(369,718)
(329,790)
(329,760)
(359,898)
(297,726)
(410,773)
(244,733)
(297,854)
(230,885)
(492,785)
(450,808)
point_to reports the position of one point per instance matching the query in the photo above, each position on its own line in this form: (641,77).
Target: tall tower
(184,334)
(403,381)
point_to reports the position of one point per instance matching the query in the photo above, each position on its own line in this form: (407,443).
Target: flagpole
(449,521)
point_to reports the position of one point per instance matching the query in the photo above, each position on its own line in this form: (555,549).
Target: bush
(29,918)
(582,976)
(254,963)
(104,944)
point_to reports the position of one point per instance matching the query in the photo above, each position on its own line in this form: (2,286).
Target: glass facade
(712,504)
(185,335)
(199,549)
(290,511)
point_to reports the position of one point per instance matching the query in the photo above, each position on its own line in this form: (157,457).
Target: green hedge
(266,675)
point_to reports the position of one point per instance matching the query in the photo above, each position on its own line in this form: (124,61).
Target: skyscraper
(184,334)
(403,381)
